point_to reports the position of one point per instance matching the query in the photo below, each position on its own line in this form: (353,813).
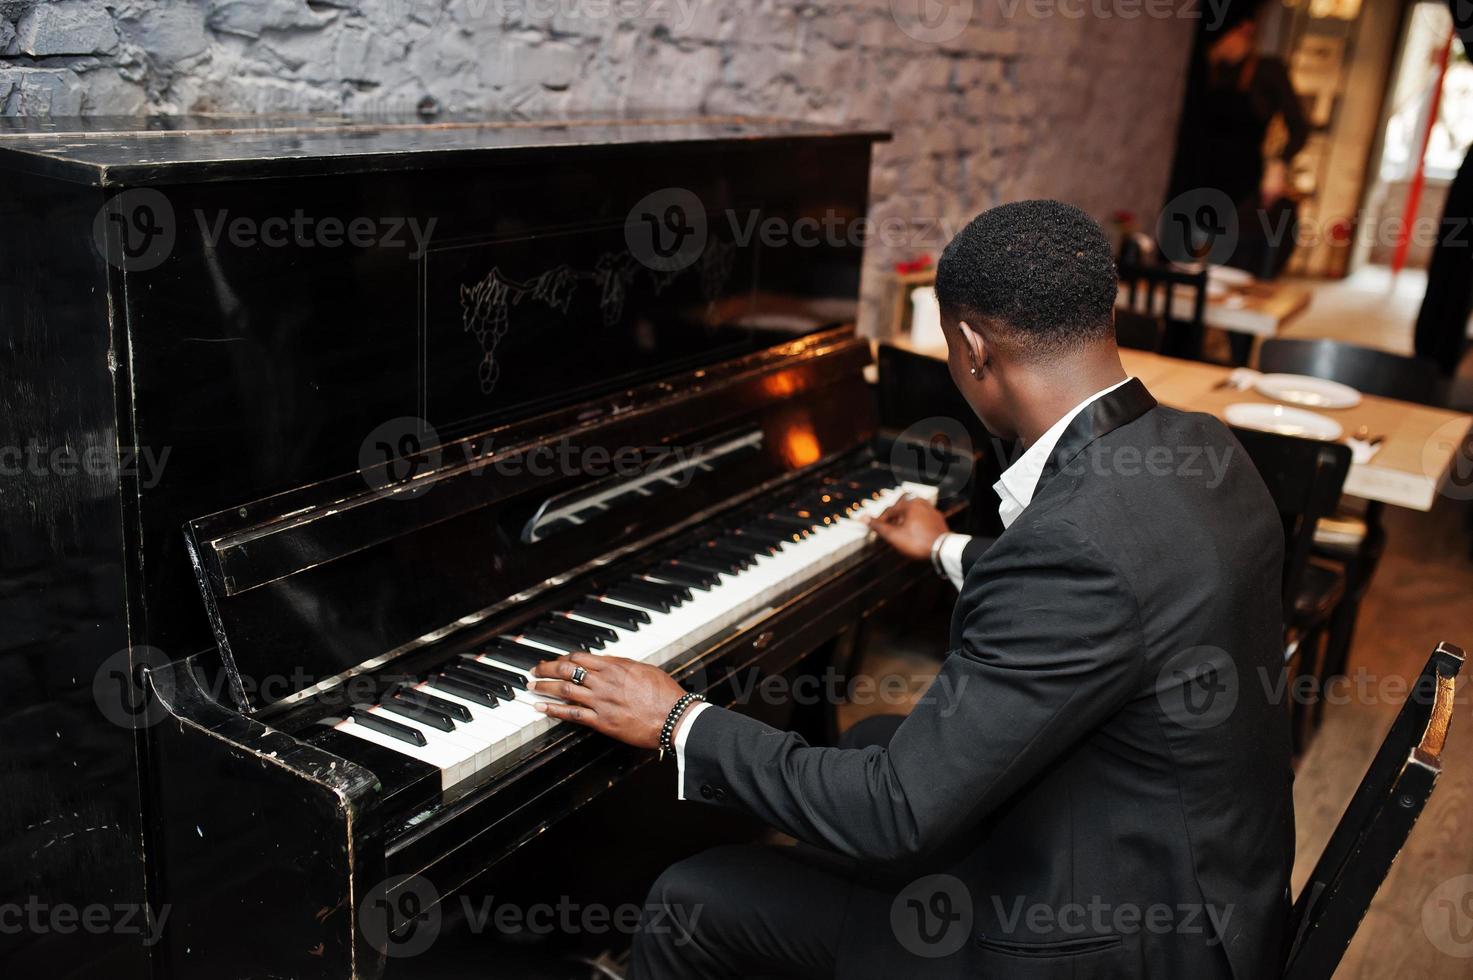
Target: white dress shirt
(1014,491)
(1015,488)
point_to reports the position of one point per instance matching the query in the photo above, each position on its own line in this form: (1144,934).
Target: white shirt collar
(1019,481)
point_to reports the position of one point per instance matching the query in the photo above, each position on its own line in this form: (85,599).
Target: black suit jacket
(1101,766)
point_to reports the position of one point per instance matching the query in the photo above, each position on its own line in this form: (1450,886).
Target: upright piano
(391,410)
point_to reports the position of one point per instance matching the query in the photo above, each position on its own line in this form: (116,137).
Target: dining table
(1244,306)
(1420,451)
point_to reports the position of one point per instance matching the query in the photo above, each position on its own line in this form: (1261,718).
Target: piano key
(385,726)
(727,559)
(780,529)
(557,639)
(562,621)
(448,684)
(612,615)
(627,592)
(682,574)
(488,666)
(523,649)
(711,567)
(676,593)
(455,710)
(463,674)
(520,654)
(425,716)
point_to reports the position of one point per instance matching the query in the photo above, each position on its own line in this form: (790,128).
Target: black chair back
(1139,331)
(1304,476)
(1376,824)
(1370,371)
(1162,292)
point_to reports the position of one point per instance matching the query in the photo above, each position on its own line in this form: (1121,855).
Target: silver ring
(578,674)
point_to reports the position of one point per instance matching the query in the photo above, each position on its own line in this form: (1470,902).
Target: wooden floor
(1422,594)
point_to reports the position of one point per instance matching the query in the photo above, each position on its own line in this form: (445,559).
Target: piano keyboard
(467,714)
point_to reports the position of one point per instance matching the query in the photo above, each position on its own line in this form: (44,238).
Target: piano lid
(114,150)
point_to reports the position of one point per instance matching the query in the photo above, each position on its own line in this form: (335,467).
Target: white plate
(1298,389)
(1284,420)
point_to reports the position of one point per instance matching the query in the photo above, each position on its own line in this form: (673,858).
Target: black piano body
(368,396)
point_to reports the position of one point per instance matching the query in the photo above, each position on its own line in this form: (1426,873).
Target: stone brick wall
(989,100)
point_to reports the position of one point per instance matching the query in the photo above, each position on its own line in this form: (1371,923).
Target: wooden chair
(1353,536)
(1150,291)
(1304,477)
(1376,824)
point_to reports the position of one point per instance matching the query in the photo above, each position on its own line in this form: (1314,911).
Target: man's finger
(567,690)
(887,532)
(568,712)
(593,661)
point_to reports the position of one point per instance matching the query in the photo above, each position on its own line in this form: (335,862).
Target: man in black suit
(1099,785)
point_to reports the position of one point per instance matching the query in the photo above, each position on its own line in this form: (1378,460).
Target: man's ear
(975,347)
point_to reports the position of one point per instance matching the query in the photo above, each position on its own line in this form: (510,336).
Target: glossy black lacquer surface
(298,340)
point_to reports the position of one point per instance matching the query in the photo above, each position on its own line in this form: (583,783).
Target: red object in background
(1414,192)
(914,265)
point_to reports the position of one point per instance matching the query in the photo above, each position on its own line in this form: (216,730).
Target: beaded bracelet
(673,718)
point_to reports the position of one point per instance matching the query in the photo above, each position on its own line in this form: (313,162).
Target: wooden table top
(1414,462)
(1259,308)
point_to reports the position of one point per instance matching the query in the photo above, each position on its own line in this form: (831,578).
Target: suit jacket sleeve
(1051,646)
(975,549)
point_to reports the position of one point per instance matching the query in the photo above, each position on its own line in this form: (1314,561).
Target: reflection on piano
(403,479)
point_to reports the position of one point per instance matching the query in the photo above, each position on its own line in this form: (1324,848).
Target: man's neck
(1054,392)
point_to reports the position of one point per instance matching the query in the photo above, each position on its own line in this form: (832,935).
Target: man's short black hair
(1041,272)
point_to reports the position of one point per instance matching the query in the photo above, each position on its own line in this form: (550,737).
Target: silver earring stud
(976,371)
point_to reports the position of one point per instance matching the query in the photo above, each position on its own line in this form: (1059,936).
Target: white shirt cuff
(681,734)
(950,556)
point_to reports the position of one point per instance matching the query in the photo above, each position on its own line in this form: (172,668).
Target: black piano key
(607,612)
(626,592)
(393,729)
(559,639)
(591,513)
(452,685)
(746,551)
(457,711)
(678,594)
(560,621)
(491,672)
(679,574)
(806,525)
(519,652)
(726,559)
(767,544)
(712,567)
(786,532)
(463,674)
(425,716)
